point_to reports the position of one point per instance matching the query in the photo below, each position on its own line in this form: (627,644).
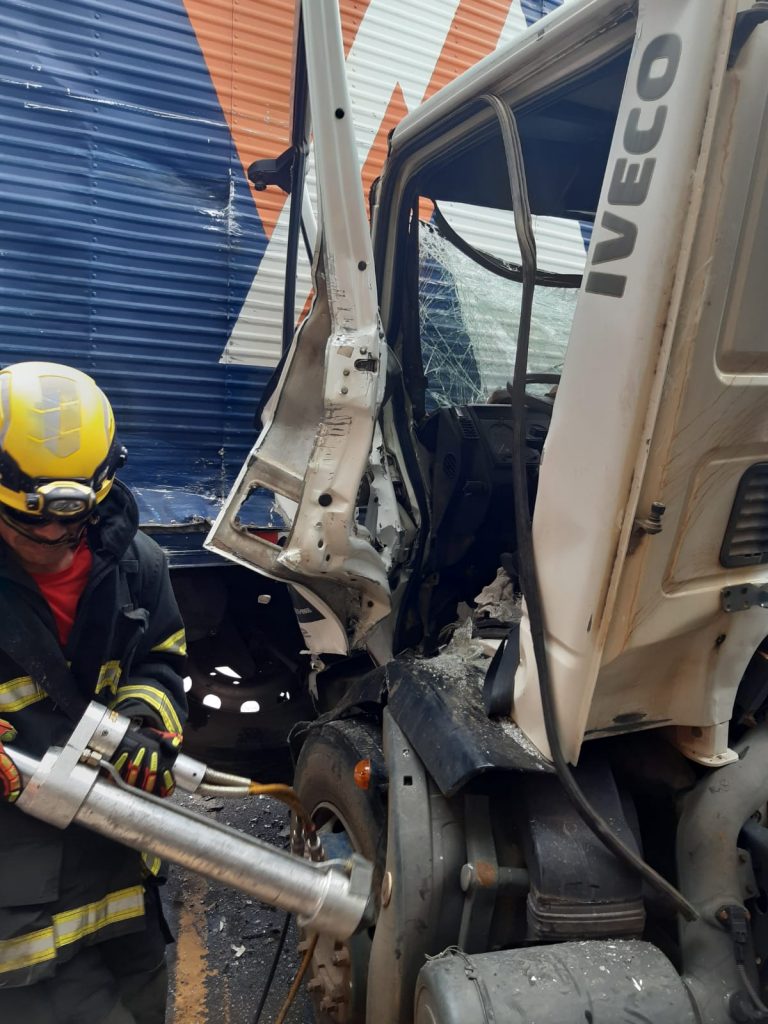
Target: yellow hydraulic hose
(286,795)
(297,981)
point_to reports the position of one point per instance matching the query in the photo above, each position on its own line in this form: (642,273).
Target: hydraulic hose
(523,527)
(286,795)
(216,783)
(307,960)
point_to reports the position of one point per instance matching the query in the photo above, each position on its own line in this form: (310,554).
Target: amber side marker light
(362,773)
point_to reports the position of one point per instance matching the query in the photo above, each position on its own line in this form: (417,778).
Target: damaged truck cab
(526,522)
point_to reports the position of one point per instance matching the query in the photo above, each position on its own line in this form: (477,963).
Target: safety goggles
(16,518)
(27,525)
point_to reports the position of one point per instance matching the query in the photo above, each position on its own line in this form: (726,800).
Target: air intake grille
(746,538)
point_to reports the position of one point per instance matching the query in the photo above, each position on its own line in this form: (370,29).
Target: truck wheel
(348,819)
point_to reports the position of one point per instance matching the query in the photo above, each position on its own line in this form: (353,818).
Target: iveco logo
(631,178)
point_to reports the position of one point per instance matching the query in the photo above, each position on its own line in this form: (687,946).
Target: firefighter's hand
(145,759)
(10,780)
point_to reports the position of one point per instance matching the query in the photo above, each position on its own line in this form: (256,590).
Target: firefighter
(86,613)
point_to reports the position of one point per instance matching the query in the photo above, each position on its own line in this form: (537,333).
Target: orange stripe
(395,112)
(248,49)
(474,33)
(248,52)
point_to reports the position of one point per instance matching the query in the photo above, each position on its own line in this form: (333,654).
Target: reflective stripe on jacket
(60,890)
(70,928)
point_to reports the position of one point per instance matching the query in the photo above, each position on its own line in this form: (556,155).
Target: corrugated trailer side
(129,235)
(131,244)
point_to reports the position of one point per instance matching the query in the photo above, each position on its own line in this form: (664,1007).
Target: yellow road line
(192,967)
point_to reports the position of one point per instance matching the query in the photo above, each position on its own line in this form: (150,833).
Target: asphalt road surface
(225,941)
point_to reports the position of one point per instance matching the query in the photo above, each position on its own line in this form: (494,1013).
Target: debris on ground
(225,941)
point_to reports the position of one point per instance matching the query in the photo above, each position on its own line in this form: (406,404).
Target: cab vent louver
(746,537)
(467,428)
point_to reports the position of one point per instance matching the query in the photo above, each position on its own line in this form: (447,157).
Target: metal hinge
(748,595)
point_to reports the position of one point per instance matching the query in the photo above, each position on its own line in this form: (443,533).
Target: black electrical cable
(273,968)
(525,553)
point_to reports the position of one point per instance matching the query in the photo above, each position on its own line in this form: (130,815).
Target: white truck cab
(407,453)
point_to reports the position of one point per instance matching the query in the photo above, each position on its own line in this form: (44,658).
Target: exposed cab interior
(451,281)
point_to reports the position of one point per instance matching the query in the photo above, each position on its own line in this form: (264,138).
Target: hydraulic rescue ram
(66,786)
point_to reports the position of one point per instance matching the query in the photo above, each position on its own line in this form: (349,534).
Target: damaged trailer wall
(132,244)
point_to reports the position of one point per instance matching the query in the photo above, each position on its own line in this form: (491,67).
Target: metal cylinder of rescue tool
(329,897)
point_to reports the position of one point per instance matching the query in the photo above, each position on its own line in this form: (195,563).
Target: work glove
(10,780)
(145,758)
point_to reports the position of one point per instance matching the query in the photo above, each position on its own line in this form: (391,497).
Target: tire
(348,818)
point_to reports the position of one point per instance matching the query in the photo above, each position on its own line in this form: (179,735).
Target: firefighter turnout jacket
(63,890)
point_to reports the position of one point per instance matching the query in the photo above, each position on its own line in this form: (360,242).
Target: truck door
(314,449)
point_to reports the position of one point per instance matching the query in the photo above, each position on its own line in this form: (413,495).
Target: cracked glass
(468,318)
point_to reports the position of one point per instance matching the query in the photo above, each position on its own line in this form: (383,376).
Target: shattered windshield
(468,316)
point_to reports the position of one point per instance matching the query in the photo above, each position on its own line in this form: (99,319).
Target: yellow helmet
(58,451)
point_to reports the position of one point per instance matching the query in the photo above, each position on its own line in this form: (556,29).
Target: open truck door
(319,423)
